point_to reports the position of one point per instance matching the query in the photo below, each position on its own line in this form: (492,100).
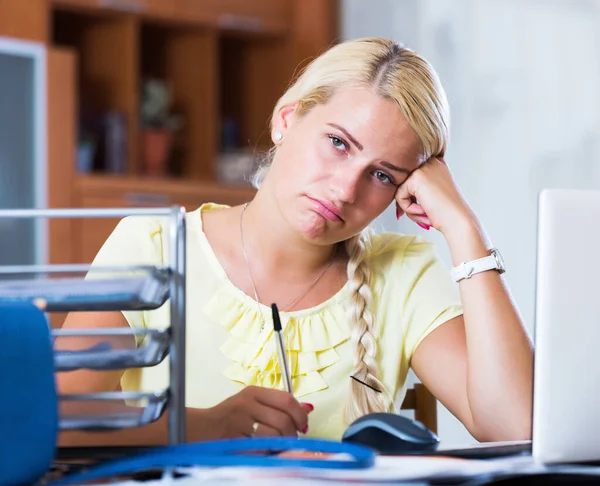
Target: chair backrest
(424,404)
(29,405)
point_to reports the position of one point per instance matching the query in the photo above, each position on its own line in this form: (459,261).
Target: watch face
(499,260)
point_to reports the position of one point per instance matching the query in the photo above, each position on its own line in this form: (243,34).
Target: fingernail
(304,430)
(397,212)
(310,406)
(424,226)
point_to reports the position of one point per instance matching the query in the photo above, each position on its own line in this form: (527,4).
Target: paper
(386,469)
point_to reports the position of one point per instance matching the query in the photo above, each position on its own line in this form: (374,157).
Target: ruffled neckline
(216,267)
(311,334)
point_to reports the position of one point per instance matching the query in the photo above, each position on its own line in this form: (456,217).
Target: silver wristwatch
(467,269)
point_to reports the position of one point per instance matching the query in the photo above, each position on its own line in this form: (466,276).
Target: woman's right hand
(276,413)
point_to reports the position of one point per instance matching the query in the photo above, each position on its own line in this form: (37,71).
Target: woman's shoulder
(410,266)
(147,237)
(388,245)
(154,225)
(394,255)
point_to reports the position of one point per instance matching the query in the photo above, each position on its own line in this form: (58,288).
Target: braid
(362,399)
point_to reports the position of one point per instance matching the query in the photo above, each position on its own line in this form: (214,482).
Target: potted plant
(158,126)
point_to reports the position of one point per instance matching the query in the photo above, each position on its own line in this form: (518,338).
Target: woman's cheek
(318,160)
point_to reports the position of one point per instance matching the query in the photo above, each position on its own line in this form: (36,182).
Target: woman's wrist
(200,426)
(467,241)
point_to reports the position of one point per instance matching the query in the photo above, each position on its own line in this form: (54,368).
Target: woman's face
(338,167)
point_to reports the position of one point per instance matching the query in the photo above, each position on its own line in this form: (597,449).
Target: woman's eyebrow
(360,147)
(395,167)
(345,132)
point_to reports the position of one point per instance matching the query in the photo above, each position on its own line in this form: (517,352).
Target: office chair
(424,404)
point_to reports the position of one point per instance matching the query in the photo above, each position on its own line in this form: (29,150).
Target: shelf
(270,17)
(165,55)
(107,83)
(227,62)
(106,411)
(146,291)
(110,288)
(256,16)
(158,8)
(248,95)
(100,191)
(106,351)
(139,191)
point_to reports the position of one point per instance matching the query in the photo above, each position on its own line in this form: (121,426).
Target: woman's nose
(344,184)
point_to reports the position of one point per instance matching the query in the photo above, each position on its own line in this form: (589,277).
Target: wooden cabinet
(187,58)
(261,16)
(127,192)
(24,19)
(220,78)
(61,115)
(93,4)
(159,7)
(143,7)
(226,61)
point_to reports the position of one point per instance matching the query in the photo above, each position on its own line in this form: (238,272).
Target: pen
(283,363)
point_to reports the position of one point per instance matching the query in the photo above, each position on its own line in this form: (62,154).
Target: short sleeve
(136,240)
(432,297)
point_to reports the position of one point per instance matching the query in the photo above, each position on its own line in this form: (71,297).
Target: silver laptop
(566,402)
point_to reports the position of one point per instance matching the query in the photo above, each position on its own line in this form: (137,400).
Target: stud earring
(277,136)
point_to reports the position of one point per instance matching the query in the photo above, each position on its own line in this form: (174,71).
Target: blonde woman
(365,126)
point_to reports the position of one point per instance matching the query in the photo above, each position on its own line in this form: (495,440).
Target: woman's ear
(282,120)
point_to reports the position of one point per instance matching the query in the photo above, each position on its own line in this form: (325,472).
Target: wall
(522,83)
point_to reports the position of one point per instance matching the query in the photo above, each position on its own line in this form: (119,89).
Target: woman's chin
(314,227)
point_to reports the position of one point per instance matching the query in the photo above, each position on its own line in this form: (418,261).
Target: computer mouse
(390,433)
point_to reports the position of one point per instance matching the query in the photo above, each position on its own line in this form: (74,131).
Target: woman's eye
(383,177)
(338,143)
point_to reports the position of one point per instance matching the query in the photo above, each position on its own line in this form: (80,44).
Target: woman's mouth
(326,209)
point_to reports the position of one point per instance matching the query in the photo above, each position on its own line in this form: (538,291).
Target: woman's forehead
(375,122)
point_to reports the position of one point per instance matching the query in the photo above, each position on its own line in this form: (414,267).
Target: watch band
(467,269)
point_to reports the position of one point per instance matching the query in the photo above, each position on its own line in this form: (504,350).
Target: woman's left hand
(431,198)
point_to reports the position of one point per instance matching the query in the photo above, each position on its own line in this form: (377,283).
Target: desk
(405,470)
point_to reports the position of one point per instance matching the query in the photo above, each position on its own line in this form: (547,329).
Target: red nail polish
(309,405)
(424,226)
(305,430)
(397,212)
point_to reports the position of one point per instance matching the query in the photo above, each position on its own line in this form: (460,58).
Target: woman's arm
(86,381)
(277,412)
(479,365)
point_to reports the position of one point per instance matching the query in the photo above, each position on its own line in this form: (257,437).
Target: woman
(365,125)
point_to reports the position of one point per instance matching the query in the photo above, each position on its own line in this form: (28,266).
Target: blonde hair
(399,75)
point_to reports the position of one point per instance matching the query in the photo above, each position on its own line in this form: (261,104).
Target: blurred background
(112,103)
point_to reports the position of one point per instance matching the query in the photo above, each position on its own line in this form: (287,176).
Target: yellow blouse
(227,350)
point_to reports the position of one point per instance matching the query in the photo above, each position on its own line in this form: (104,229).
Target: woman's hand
(276,413)
(431,198)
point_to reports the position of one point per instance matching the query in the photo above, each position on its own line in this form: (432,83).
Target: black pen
(283,362)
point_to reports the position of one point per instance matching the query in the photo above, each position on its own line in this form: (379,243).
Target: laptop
(566,397)
(566,401)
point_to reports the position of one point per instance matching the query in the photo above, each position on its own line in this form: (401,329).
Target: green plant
(156,106)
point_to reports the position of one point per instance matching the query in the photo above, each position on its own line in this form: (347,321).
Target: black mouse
(390,433)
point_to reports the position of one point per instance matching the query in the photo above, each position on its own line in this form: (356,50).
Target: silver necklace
(295,300)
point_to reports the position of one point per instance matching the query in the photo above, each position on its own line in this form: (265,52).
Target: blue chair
(28,398)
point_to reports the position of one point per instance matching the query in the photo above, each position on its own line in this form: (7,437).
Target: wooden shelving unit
(130,191)
(227,61)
